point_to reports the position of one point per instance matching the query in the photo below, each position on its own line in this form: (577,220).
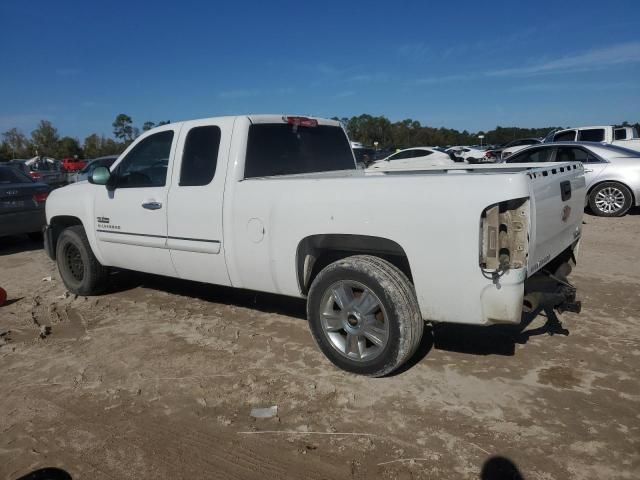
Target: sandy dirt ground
(157,378)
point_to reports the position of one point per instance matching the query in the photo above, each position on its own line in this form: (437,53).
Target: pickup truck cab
(626,137)
(276,204)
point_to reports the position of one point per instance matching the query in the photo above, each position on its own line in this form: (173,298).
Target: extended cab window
(591,135)
(568,136)
(200,156)
(146,165)
(533,155)
(283,149)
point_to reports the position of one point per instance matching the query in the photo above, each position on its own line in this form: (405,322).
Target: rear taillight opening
(40,197)
(504,235)
(35,175)
(301,121)
(489,154)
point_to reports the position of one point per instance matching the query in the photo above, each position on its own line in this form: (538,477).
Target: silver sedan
(612,173)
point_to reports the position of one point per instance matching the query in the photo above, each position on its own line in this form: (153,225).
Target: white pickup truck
(621,136)
(275,204)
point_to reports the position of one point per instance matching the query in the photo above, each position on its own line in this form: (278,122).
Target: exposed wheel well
(633,198)
(317,251)
(58,224)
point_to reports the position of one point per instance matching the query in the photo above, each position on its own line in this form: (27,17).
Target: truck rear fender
(317,251)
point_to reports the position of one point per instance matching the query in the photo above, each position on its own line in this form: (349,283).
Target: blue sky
(464,65)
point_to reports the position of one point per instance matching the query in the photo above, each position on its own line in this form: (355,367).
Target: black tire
(605,198)
(81,272)
(400,313)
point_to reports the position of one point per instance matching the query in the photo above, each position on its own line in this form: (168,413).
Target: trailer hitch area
(551,291)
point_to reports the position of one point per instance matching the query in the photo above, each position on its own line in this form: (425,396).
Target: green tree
(148,126)
(96,145)
(16,144)
(123,128)
(69,147)
(45,138)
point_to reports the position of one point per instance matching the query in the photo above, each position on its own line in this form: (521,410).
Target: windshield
(283,149)
(11,175)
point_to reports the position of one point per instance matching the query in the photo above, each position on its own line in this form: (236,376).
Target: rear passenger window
(200,156)
(592,135)
(567,154)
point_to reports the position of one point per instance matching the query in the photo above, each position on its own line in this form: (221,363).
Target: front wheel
(610,199)
(364,315)
(80,270)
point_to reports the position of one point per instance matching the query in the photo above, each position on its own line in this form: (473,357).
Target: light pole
(480,137)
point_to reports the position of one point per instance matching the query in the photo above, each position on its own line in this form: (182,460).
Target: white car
(470,154)
(275,204)
(612,173)
(413,159)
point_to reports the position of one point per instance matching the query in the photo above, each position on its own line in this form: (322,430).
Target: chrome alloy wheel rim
(354,320)
(610,200)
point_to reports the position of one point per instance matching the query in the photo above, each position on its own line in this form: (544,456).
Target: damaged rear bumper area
(550,289)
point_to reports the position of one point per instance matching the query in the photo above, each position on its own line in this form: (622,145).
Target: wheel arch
(56,225)
(317,251)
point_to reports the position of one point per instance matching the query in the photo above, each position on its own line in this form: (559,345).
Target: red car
(73,164)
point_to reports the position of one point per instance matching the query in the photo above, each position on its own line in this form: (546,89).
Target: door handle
(152,205)
(588,170)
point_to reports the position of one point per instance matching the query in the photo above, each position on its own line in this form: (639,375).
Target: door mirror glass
(100,176)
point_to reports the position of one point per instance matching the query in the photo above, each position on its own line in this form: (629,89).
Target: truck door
(195,237)
(131,214)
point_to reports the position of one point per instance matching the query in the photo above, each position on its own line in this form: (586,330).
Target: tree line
(407,133)
(46,141)
(368,129)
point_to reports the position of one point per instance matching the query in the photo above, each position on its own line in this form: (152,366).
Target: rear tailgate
(557,193)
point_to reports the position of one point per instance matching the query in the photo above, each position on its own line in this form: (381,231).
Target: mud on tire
(368,298)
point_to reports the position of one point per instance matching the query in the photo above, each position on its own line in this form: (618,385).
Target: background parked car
(46,170)
(624,136)
(612,173)
(470,154)
(505,151)
(71,164)
(21,203)
(91,165)
(413,158)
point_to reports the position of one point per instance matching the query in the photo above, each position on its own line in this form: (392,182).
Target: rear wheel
(81,272)
(364,315)
(610,199)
